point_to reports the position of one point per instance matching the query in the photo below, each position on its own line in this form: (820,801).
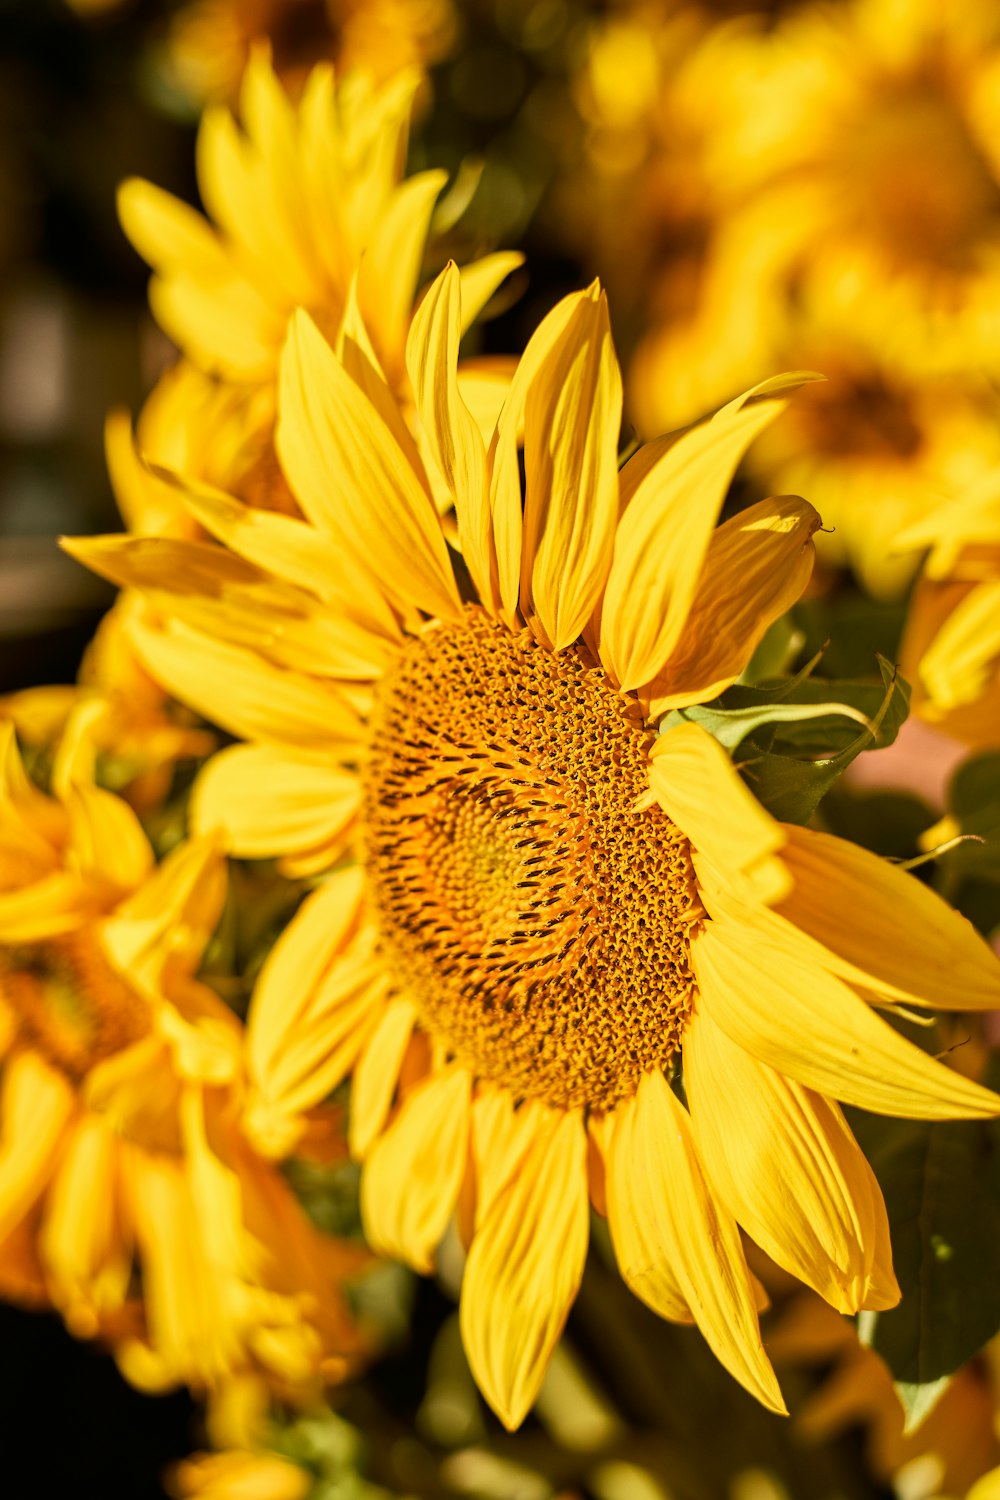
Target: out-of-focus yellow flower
(877,450)
(821,191)
(210,42)
(119,1104)
(550,905)
(951,646)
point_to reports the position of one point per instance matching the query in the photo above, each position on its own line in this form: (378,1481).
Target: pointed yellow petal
(506,500)
(524,1267)
(291,549)
(481,278)
(805,1023)
(674,1241)
(167,232)
(896,936)
(316,937)
(108,841)
(961,660)
(410,1182)
(501,1136)
(309,804)
(756,567)
(243,693)
(352,479)
(57,903)
(173,913)
(213,590)
(699,788)
(88,1257)
(35,1108)
(453,437)
(785,1163)
(664,535)
(390,269)
(225,327)
(377,1073)
(572,418)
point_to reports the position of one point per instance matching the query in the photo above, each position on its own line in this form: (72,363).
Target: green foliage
(941,1182)
(794,737)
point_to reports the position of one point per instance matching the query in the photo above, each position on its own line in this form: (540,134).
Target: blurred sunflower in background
(550,905)
(121,1154)
(815,189)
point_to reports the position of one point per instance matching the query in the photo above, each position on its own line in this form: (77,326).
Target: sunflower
(551,907)
(120,1153)
(876,158)
(951,645)
(312,212)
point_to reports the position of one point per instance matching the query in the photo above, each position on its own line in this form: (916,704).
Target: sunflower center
(541,924)
(70,1003)
(918,176)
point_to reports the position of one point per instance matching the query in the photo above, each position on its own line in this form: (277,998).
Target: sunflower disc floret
(544,924)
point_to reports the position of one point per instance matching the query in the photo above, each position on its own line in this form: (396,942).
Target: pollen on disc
(540,922)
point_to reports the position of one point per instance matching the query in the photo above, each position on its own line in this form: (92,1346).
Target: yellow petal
(291,549)
(269,802)
(59,902)
(805,1023)
(572,418)
(108,842)
(86,1251)
(243,693)
(167,232)
(664,535)
(352,479)
(377,1073)
(213,590)
(699,788)
(481,278)
(411,1180)
(675,1240)
(786,1165)
(35,1108)
(756,567)
(525,1265)
(454,439)
(960,662)
(390,269)
(501,1136)
(506,500)
(173,913)
(225,327)
(317,935)
(894,934)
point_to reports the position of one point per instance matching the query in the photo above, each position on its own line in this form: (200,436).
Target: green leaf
(787,767)
(918,1401)
(730,726)
(775,653)
(941,1182)
(974,803)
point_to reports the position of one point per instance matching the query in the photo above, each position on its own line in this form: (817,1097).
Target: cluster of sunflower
(438,796)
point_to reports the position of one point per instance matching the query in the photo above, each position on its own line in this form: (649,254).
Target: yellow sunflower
(551,907)
(312,211)
(951,645)
(875,152)
(120,1082)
